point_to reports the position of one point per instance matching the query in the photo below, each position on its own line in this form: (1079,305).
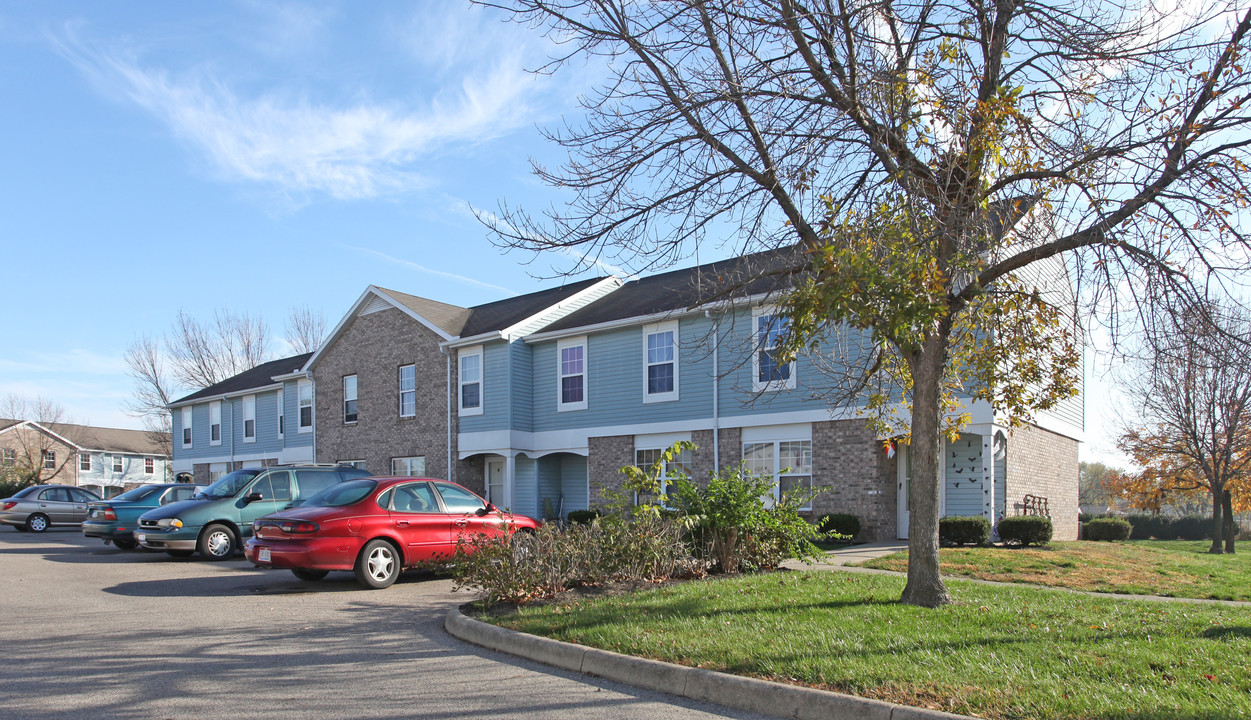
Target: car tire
(37,523)
(180,553)
(309,575)
(125,543)
(217,542)
(378,565)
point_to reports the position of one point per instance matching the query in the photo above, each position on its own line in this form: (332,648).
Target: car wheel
(125,543)
(180,553)
(37,522)
(309,575)
(217,542)
(378,565)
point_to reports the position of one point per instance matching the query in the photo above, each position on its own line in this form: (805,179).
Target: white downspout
(716,392)
(448,394)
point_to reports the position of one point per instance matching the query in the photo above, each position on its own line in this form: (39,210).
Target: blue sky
(254,156)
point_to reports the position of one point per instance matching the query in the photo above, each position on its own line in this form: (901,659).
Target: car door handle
(401,523)
(460,523)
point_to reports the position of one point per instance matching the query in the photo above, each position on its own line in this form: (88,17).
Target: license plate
(140,537)
(262,555)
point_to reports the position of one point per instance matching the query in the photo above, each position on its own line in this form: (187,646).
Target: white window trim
(586,375)
(84,458)
(359,464)
(460,381)
(356,398)
(116,460)
(661,327)
(280,411)
(188,435)
(399,380)
(776,441)
(756,384)
(660,442)
(146,471)
(408,462)
(249,408)
(215,407)
(299,405)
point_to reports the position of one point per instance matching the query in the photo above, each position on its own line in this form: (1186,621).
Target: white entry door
(495,482)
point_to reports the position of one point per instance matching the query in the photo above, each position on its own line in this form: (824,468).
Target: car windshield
(138,493)
(230,485)
(342,494)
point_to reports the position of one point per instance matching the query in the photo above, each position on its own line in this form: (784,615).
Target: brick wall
(373,347)
(605,458)
(1040,462)
(847,458)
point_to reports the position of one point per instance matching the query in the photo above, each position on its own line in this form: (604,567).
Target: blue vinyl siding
(573,483)
(965,490)
(267,440)
(497,393)
(521,359)
(549,486)
(291,408)
(525,487)
(561,484)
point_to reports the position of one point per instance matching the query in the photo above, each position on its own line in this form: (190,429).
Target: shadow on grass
(1236,631)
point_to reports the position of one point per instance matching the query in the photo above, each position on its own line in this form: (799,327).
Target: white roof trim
(41,428)
(371,292)
(546,316)
(645,319)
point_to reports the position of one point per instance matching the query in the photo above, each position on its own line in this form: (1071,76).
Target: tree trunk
(1228,506)
(1218,527)
(925,586)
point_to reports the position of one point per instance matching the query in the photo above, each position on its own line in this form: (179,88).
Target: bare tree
(37,455)
(306,329)
(204,354)
(1192,387)
(146,367)
(893,142)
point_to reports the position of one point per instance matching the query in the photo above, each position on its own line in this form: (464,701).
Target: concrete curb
(742,693)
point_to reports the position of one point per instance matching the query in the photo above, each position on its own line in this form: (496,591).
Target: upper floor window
(349,398)
(186,427)
(767,372)
(571,371)
(215,423)
(49,459)
(149,466)
(660,362)
(249,418)
(282,414)
(470,379)
(8,456)
(408,391)
(304,389)
(84,462)
(117,464)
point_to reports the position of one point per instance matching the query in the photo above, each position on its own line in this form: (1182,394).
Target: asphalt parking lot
(91,631)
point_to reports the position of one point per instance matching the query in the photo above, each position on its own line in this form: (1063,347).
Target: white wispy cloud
(422,268)
(353,151)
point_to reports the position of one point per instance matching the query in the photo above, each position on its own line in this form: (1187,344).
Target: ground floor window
(788,462)
(358,464)
(646,458)
(408,466)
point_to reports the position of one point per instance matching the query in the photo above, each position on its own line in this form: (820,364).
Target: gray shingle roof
(257,377)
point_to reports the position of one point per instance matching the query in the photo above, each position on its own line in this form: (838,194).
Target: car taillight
(9,505)
(293,527)
(109,514)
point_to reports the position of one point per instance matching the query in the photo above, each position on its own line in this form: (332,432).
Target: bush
(1107,529)
(970,530)
(583,517)
(843,524)
(1163,527)
(524,566)
(1025,530)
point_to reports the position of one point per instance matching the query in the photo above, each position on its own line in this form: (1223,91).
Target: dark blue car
(115,520)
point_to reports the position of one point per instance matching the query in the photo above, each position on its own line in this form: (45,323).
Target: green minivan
(216,521)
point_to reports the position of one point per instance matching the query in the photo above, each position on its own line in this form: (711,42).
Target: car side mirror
(254,497)
(480,512)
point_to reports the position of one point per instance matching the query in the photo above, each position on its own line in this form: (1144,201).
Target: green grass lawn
(1174,568)
(1017,652)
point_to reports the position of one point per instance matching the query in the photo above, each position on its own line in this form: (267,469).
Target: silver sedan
(39,507)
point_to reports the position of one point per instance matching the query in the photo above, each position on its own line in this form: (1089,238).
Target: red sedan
(376,527)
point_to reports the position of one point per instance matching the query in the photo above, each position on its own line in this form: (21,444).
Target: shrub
(1145,527)
(1192,527)
(524,566)
(970,530)
(731,528)
(1025,530)
(842,524)
(583,517)
(1107,528)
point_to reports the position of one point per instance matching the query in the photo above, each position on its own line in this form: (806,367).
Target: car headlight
(169,522)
